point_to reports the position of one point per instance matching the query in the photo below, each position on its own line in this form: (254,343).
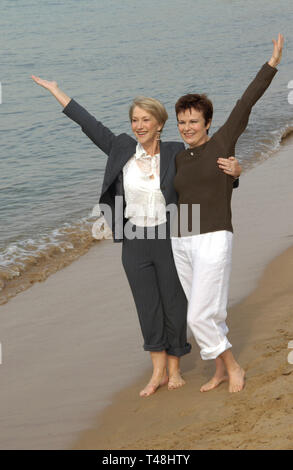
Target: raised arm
(95,130)
(52,87)
(238,119)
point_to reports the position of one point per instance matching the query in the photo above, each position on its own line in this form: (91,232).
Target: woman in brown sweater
(203,256)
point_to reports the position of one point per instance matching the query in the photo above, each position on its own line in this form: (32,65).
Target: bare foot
(175,381)
(214,382)
(236,379)
(153,385)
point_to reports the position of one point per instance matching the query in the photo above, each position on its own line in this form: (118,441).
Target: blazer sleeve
(95,130)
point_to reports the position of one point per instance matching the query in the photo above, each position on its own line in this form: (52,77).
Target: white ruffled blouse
(145,203)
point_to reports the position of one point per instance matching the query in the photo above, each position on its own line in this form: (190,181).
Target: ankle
(235,367)
(158,374)
(220,373)
(174,372)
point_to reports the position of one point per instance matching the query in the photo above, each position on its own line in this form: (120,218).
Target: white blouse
(145,203)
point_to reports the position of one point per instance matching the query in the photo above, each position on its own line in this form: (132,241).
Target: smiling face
(192,127)
(145,127)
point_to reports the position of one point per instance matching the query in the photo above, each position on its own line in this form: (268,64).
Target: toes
(152,387)
(172,385)
(237,383)
(214,383)
(207,388)
(236,388)
(149,390)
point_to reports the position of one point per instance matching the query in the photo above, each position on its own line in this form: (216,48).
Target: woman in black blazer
(147,259)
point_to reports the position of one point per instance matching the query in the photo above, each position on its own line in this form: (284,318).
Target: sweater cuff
(268,71)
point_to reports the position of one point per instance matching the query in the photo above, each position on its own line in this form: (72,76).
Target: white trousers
(203,264)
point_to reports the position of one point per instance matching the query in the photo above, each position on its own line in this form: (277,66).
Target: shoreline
(34,263)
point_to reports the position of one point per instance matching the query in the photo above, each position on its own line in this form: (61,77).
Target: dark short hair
(195,101)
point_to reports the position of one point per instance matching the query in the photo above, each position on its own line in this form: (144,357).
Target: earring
(159,135)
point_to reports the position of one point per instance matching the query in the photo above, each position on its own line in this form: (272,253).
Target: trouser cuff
(213,353)
(179,351)
(155,347)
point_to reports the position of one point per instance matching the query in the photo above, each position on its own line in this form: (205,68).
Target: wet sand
(259,417)
(72,342)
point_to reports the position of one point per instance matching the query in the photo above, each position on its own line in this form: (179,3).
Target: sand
(72,343)
(259,417)
(261,327)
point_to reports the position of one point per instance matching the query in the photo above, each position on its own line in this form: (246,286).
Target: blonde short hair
(154,107)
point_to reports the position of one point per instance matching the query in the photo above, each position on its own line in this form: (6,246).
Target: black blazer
(119,150)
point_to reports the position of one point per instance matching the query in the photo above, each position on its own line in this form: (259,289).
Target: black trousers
(159,298)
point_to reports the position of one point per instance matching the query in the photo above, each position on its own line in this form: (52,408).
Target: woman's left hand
(230,166)
(277,52)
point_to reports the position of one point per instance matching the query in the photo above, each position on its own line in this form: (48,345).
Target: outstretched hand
(277,52)
(54,89)
(45,83)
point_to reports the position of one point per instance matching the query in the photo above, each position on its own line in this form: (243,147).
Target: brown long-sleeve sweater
(199,180)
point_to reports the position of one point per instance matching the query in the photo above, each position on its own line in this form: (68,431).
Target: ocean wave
(267,146)
(25,262)
(287,133)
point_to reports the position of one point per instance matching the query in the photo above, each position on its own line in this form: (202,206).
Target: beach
(71,350)
(73,363)
(261,327)
(260,417)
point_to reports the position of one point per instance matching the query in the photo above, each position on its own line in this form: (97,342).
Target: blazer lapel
(164,160)
(125,153)
(117,163)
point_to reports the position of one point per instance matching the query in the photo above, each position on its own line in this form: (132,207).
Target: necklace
(193,154)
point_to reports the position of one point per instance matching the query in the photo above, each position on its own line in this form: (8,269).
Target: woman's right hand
(53,88)
(45,83)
